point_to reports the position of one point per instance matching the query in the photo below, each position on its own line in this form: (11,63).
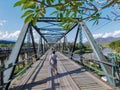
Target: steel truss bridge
(35,74)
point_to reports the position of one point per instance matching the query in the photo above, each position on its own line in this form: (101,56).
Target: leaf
(19,3)
(68,13)
(48,2)
(43,10)
(28,5)
(91,0)
(61,16)
(55,12)
(40,13)
(29,18)
(61,23)
(27,13)
(52,1)
(34,21)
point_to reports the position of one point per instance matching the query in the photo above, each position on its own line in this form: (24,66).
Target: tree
(115,45)
(67,10)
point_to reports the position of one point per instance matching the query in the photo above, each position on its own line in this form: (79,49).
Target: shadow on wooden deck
(51,78)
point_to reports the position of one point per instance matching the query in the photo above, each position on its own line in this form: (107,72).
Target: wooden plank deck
(72,77)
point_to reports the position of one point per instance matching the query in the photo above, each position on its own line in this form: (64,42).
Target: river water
(92,55)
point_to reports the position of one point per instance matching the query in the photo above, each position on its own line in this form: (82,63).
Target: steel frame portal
(13,59)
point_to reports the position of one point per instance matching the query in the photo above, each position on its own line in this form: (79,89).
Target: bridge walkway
(71,77)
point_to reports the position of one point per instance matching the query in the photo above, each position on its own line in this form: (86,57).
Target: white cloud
(107,34)
(116,33)
(97,35)
(2,22)
(9,36)
(13,36)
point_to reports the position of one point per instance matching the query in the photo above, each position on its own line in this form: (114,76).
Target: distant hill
(105,40)
(6,42)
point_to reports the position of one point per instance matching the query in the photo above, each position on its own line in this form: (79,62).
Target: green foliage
(95,18)
(7,45)
(33,10)
(27,13)
(66,10)
(84,49)
(115,46)
(77,51)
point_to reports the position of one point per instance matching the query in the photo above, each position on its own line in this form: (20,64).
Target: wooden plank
(69,79)
(83,79)
(72,77)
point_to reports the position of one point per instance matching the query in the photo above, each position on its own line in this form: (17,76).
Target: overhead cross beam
(55,33)
(74,25)
(50,19)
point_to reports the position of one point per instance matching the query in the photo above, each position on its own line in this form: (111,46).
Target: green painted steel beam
(54,34)
(33,41)
(13,58)
(75,40)
(52,29)
(50,19)
(106,69)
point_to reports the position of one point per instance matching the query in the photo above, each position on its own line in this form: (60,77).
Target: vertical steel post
(60,45)
(41,45)
(64,44)
(38,51)
(106,69)
(33,42)
(80,42)
(75,42)
(44,46)
(28,45)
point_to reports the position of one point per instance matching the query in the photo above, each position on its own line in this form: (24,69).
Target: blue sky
(11,23)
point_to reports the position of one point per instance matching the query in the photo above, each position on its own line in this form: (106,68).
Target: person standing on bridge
(53,62)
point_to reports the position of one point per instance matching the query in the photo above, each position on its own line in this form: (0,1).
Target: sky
(11,23)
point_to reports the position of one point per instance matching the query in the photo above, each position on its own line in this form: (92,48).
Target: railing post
(2,76)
